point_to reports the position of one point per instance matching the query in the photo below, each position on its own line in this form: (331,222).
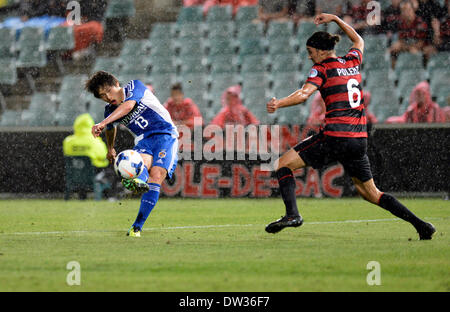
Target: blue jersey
(148,116)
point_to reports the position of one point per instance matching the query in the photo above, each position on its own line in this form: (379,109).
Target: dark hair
(177,86)
(323,40)
(98,80)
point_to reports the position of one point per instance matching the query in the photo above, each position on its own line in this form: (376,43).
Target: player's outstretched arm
(357,40)
(298,97)
(118,113)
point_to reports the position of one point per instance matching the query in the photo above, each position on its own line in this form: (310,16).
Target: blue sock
(144,175)
(148,201)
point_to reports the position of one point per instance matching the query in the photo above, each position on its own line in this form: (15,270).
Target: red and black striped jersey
(339,82)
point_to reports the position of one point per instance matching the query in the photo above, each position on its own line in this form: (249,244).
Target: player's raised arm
(118,113)
(357,40)
(297,97)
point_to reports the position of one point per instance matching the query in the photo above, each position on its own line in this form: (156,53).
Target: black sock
(391,204)
(287,189)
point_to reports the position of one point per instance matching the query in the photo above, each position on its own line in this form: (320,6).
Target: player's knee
(157,175)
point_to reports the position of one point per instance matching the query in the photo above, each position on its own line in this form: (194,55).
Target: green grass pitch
(220,245)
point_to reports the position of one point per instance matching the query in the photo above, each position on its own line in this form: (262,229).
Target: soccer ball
(128,164)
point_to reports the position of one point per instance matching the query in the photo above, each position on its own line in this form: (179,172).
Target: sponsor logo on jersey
(137,110)
(342,61)
(162,154)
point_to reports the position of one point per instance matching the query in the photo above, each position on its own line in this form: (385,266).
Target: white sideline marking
(202,227)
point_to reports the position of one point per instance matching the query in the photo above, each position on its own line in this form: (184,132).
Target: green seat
(437,62)
(384,103)
(250,31)
(163,65)
(375,43)
(190,46)
(30,56)
(41,110)
(138,65)
(134,48)
(162,31)
(304,31)
(72,85)
(246,14)
(250,47)
(193,64)
(285,63)
(95,108)
(31,37)
(222,64)
(7,43)
(280,29)
(162,83)
(220,46)
(220,30)
(407,81)
(8,72)
(343,46)
(109,64)
(253,63)
(60,39)
(120,9)
(285,83)
(69,108)
(375,61)
(219,13)
(219,83)
(295,115)
(190,30)
(190,14)
(280,45)
(256,80)
(439,85)
(163,48)
(10,118)
(408,61)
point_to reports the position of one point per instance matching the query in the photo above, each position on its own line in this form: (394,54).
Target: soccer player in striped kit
(344,136)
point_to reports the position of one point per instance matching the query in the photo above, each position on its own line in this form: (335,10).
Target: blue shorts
(163,148)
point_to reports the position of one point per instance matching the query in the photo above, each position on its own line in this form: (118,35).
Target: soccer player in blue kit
(156,137)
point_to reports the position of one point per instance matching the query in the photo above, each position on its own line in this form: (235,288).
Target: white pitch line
(202,227)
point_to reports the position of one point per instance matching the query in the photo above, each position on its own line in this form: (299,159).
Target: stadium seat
(250,47)
(224,63)
(285,83)
(162,83)
(219,83)
(72,85)
(384,103)
(134,48)
(60,39)
(69,108)
(343,46)
(7,43)
(109,64)
(195,86)
(280,29)
(30,37)
(295,115)
(190,30)
(285,63)
(436,62)
(408,60)
(250,31)
(407,81)
(8,72)
(162,31)
(439,85)
(190,14)
(30,56)
(95,108)
(220,45)
(304,31)
(163,65)
(192,64)
(219,13)
(163,48)
(10,118)
(280,45)
(378,78)
(190,47)
(120,8)
(245,15)
(375,61)
(375,43)
(220,30)
(137,65)
(253,64)
(41,110)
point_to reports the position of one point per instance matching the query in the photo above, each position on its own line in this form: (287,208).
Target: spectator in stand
(302,10)
(357,15)
(269,10)
(337,7)
(431,12)
(421,108)
(391,18)
(412,32)
(233,111)
(235,3)
(90,31)
(441,30)
(187,3)
(182,110)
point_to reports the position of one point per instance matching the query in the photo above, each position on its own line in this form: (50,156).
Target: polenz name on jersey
(351,71)
(137,110)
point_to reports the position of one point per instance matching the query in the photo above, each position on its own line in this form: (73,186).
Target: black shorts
(320,150)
